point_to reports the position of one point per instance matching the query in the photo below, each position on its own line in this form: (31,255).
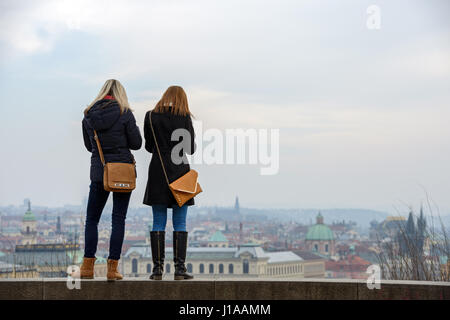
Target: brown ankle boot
(86,269)
(113,274)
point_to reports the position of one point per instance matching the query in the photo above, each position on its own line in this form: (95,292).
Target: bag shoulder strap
(157,148)
(99,147)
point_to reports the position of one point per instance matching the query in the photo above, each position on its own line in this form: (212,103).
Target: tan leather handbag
(117,177)
(184,188)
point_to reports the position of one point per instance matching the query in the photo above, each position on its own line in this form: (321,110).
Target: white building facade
(248,260)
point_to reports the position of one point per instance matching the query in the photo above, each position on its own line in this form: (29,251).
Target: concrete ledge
(217,289)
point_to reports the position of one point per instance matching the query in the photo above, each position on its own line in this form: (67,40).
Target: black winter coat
(117,133)
(157,191)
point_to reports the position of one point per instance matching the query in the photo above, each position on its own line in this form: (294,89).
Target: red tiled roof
(352,263)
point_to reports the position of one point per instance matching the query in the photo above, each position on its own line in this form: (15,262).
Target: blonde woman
(110,115)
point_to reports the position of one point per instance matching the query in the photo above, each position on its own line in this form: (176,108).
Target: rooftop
(306,255)
(319,232)
(222,253)
(282,256)
(218,237)
(29,216)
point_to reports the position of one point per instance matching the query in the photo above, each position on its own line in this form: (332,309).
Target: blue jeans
(96,202)
(160,217)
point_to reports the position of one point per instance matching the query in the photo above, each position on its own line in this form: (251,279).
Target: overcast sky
(363,114)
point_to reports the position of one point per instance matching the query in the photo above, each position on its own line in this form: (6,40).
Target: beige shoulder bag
(117,177)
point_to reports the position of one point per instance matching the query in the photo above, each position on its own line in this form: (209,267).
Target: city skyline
(224,243)
(363,218)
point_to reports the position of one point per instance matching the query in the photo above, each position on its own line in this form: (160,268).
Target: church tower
(236,205)
(29,227)
(58,225)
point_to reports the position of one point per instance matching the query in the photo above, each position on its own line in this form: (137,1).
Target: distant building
(313,265)
(198,237)
(43,260)
(389,228)
(29,227)
(58,225)
(9,270)
(248,260)
(349,266)
(218,240)
(320,238)
(46,260)
(411,240)
(362,250)
(236,205)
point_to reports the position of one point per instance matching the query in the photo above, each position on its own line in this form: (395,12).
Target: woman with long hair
(170,113)
(111,117)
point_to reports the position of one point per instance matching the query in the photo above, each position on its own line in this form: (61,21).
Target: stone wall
(144,289)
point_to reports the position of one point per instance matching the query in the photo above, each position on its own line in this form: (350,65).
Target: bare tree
(418,252)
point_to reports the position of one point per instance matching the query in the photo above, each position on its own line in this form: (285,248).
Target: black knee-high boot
(157,239)
(179,255)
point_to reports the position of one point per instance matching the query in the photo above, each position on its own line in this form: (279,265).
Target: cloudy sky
(363,114)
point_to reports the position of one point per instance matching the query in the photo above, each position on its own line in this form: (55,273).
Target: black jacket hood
(103,114)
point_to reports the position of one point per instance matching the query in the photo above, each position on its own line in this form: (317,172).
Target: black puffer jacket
(118,133)
(157,191)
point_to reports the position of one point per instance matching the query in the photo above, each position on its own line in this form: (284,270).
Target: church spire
(319,218)
(236,205)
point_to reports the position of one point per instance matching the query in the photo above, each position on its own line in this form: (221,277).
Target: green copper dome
(319,231)
(218,237)
(29,216)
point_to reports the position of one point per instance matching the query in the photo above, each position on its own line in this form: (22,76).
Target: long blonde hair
(176,98)
(114,88)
